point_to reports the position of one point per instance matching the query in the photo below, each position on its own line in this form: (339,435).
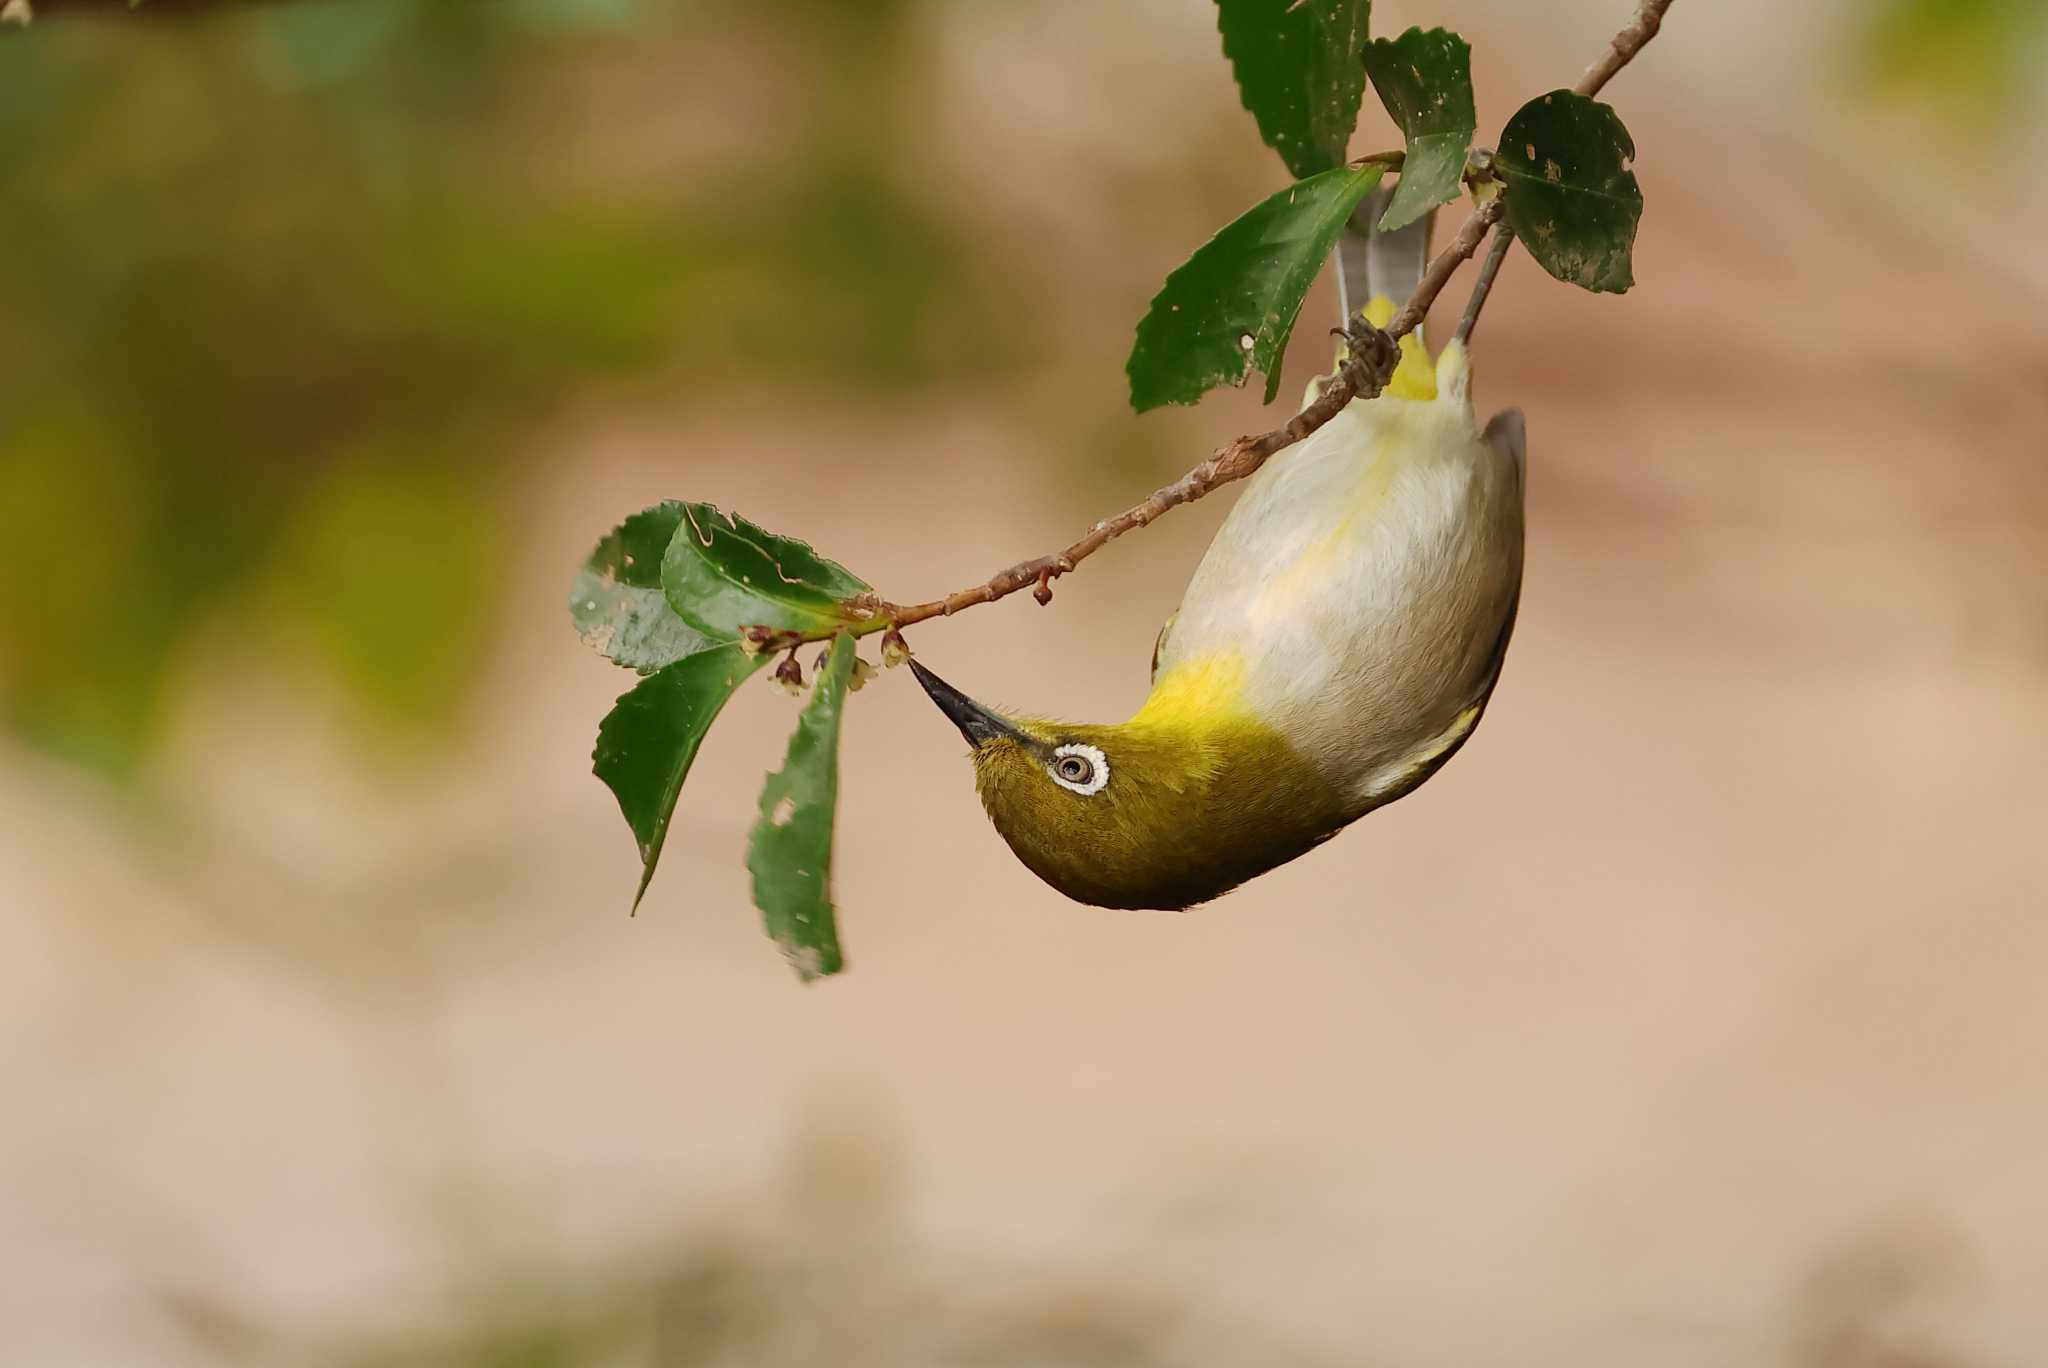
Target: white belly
(1367,576)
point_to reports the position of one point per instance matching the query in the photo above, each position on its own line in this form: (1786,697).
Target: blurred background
(1692,1017)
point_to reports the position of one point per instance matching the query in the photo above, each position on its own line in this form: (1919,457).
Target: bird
(1337,644)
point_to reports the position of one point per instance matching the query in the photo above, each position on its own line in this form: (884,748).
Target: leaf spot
(784,810)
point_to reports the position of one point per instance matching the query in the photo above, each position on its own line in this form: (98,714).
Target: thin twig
(1483,286)
(1626,44)
(1363,372)
(1369,366)
(1470,234)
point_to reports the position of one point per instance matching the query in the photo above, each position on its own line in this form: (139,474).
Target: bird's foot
(1372,351)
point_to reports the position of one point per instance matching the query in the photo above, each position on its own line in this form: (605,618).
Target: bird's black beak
(976,723)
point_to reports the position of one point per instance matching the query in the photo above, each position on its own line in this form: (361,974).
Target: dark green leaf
(790,855)
(1232,304)
(722,573)
(617,603)
(1297,72)
(646,743)
(1425,81)
(1571,198)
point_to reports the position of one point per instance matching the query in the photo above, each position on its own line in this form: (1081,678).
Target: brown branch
(1626,44)
(1483,286)
(1470,234)
(1367,368)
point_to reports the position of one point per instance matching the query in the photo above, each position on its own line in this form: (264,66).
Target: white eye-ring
(1079,767)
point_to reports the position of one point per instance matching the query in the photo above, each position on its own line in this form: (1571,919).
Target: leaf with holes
(1231,306)
(1424,78)
(647,741)
(1297,72)
(722,573)
(617,603)
(790,854)
(1571,198)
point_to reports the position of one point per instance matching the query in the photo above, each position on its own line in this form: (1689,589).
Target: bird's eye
(1081,768)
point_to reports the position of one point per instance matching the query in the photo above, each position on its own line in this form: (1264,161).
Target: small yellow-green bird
(1337,644)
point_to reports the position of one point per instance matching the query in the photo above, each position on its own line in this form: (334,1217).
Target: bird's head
(1167,810)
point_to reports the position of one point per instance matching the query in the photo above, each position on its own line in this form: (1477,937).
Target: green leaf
(646,743)
(722,573)
(617,602)
(1297,72)
(1425,81)
(1232,305)
(790,855)
(1571,198)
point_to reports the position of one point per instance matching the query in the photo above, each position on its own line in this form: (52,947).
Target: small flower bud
(895,650)
(862,673)
(789,676)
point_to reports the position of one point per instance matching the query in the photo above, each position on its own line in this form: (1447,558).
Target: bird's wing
(1407,774)
(1370,262)
(1507,434)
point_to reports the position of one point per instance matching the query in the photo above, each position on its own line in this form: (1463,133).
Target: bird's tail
(1372,264)
(1376,273)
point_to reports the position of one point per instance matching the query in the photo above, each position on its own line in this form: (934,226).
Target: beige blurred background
(1693,1016)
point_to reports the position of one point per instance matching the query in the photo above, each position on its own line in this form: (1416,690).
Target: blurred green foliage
(1973,61)
(284,289)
